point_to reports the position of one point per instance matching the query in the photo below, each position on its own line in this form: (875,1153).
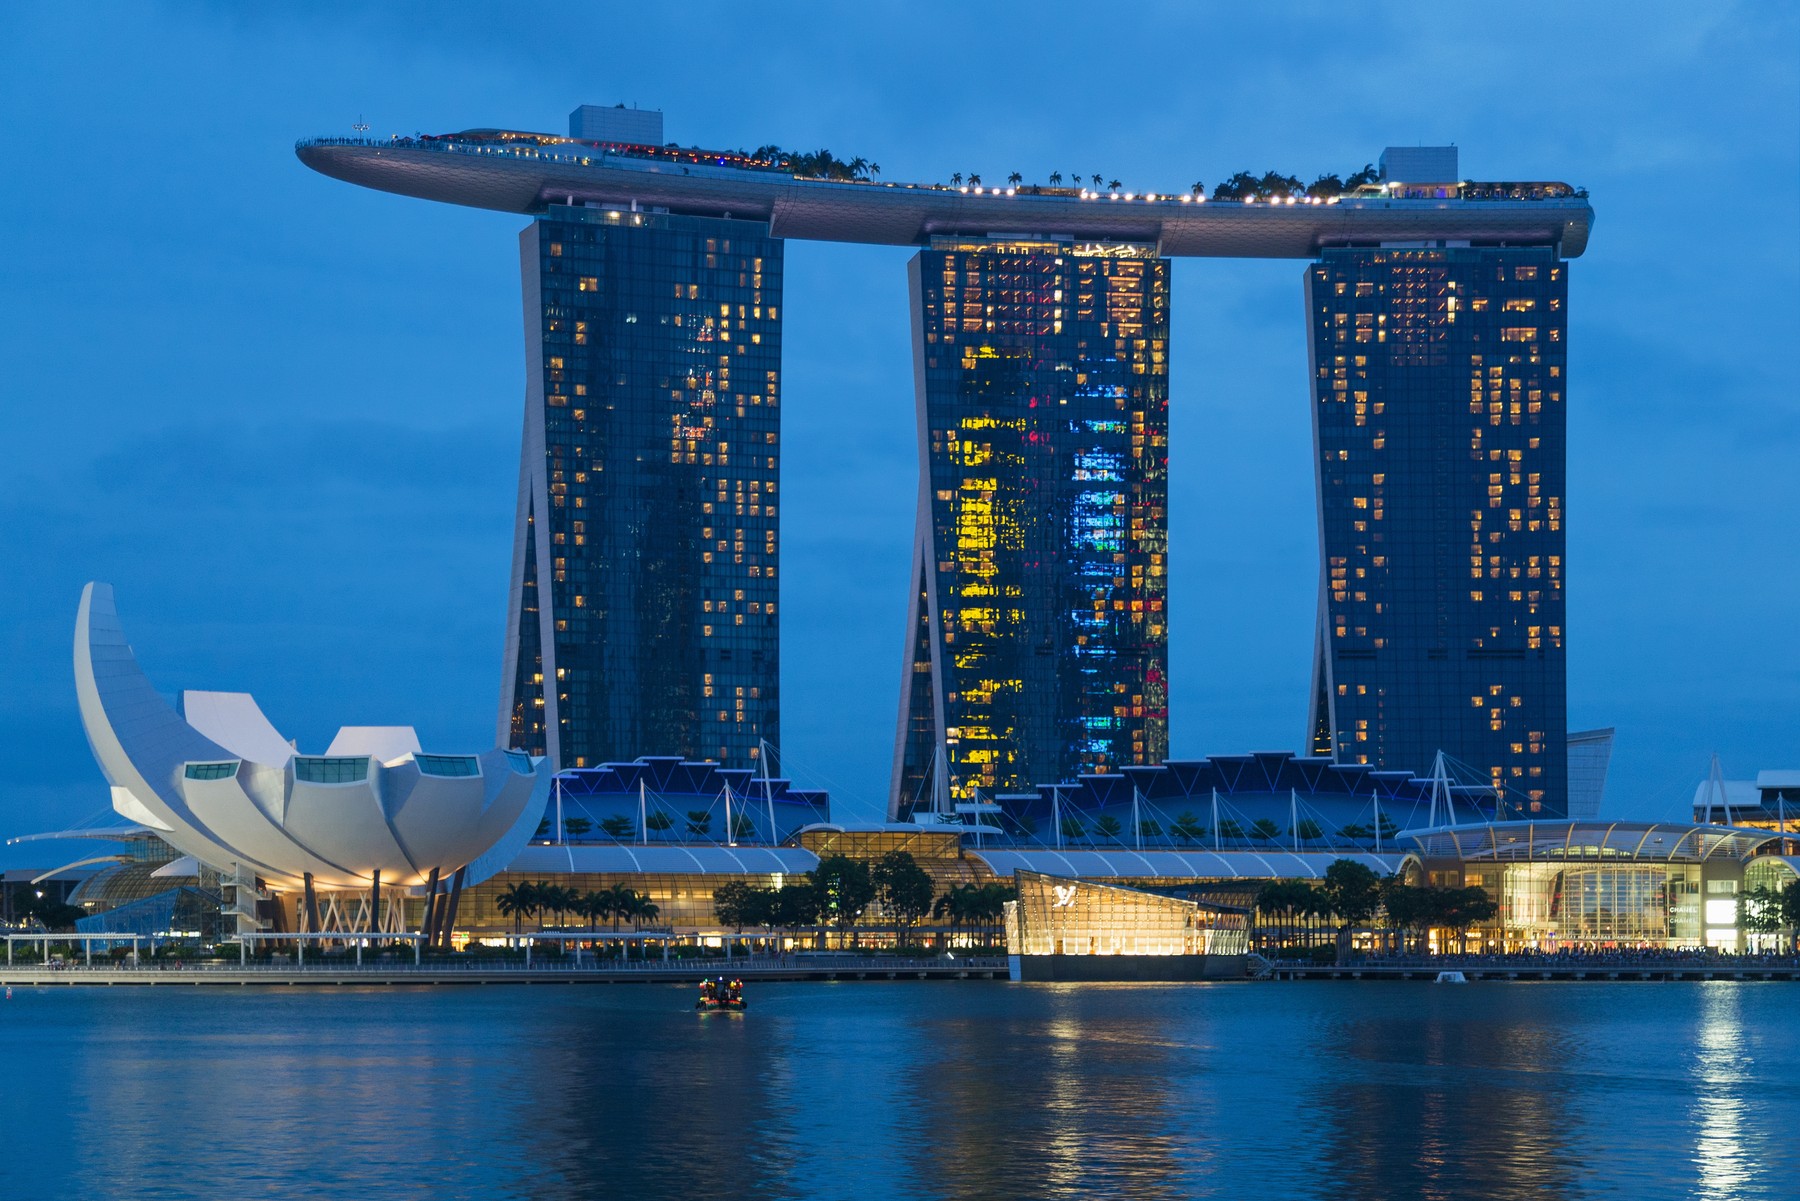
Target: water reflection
(908,1090)
(1721,1069)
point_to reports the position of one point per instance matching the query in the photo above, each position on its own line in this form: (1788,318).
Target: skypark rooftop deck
(525,173)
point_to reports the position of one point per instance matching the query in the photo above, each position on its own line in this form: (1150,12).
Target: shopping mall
(224,832)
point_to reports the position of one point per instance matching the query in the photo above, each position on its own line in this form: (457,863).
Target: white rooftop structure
(220,784)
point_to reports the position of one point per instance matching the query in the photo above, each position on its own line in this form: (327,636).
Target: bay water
(914,1089)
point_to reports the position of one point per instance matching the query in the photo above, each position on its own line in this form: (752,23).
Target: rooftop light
(1185,198)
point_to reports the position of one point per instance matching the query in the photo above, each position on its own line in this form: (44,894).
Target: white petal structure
(229,790)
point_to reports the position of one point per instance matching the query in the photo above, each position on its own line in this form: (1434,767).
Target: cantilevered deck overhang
(513,180)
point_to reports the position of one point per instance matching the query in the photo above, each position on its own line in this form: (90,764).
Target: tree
(658,822)
(1188,828)
(1325,187)
(699,821)
(596,906)
(1107,826)
(1072,828)
(1357,833)
(845,889)
(741,825)
(1790,905)
(905,889)
(1113,186)
(875,169)
(1197,188)
(514,901)
(1367,175)
(1460,908)
(1096,179)
(1263,829)
(732,904)
(1353,892)
(1149,827)
(624,903)
(1056,178)
(956,179)
(974,180)
(958,905)
(1308,831)
(1015,179)
(1229,828)
(575,827)
(796,904)
(1759,911)
(619,826)
(543,828)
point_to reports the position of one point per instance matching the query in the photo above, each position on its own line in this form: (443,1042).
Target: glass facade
(645,574)
(1038,643)
(1059,916)
(1438,385)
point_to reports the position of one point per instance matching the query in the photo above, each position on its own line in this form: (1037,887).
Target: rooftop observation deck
(526,172)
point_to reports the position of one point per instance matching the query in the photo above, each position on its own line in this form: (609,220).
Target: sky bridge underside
(907,215)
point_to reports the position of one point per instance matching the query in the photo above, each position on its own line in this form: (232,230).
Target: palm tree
(658,822)
(594,906)
(515,902)
(575,827)
(1056,179)
(1072,827)
(1113,186)
(1262,829)
(1096,180)
(699,821)
(1197,188)
(974,180)
(1015,179)
(1149,827)
(646,910)
(956,179)
(1107,826)
(874,168)
(1188,828)
(624,903)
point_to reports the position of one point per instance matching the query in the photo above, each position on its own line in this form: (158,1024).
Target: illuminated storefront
(1598,884)
(1060,918)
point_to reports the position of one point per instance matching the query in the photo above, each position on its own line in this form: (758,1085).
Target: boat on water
(1452,978)
(720,995)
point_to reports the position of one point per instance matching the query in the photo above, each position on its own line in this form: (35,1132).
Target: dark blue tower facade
(1439,380)
(645,581)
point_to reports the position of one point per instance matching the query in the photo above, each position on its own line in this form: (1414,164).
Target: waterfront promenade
(785,967)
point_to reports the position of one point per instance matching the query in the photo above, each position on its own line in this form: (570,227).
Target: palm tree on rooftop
(1114,185)
(1096,179)
(1056,179)
(1197,188)
(956,179)
(1015,179)
(974,180)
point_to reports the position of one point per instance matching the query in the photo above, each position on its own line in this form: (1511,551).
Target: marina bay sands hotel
(646,571)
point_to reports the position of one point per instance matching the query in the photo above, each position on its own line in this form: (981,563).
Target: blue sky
(281,414)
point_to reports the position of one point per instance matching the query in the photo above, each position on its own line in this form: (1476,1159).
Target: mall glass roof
(1180,865)
(1651,841)
(622,859)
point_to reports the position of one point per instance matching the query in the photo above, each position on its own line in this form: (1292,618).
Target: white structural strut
(238,794)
